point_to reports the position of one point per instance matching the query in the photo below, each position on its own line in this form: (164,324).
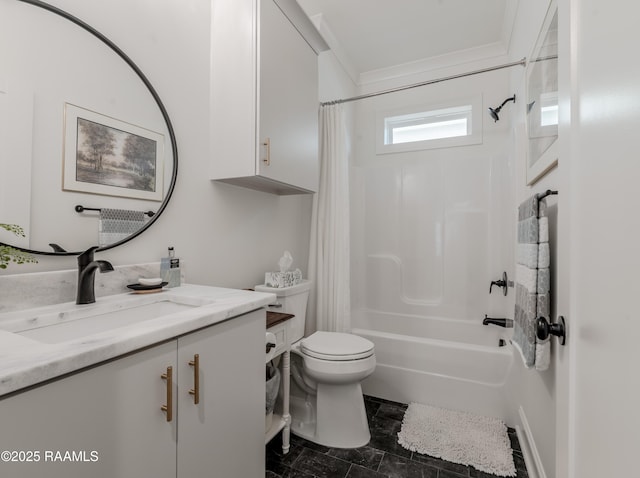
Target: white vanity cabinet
(112,410)
(222,435)
(264,99)
(107,421)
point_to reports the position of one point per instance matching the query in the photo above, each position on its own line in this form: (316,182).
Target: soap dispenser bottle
(170,269)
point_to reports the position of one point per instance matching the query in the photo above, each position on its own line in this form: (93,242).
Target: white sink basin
(79,321)
(49,341)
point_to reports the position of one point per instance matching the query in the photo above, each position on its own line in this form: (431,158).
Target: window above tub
(442,125)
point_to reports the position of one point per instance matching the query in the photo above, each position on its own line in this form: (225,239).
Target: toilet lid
(336,346)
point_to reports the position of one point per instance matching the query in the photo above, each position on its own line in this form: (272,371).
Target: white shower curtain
(329,301)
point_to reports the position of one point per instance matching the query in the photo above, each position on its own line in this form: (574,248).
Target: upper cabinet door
(264,99)
(288,102)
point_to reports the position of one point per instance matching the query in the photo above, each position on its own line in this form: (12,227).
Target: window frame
(443,109)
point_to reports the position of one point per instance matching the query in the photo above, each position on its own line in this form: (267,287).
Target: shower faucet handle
(504,283)
(499,283)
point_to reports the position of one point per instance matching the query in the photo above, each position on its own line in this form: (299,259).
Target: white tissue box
(283,279)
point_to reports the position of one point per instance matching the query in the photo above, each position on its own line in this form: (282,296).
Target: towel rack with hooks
(548,192)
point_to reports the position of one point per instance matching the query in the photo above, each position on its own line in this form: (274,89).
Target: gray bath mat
(459,437)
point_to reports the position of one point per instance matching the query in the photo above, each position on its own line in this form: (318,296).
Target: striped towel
(532,282)
(118,224)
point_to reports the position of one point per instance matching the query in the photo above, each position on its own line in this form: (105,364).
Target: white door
(600,396)
(561,355)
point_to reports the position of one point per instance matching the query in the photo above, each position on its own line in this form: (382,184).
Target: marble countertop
(26,361)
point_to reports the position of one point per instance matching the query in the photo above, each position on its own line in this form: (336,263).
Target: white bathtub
(450,363)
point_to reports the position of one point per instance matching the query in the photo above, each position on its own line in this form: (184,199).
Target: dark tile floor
(382,457)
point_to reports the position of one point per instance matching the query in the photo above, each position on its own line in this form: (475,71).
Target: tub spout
(498,322)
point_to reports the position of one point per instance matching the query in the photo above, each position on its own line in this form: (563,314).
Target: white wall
(225,235)
(334,82)
(532,394)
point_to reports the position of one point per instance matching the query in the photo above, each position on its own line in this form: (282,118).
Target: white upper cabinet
(264,97)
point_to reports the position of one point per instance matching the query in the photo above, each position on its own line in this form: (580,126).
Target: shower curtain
(329,301)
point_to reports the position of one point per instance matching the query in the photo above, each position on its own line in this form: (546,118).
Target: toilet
(326,402)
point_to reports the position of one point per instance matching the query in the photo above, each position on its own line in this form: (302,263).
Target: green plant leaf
(10,254)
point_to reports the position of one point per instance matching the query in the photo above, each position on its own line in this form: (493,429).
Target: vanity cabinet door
(103,422)
(223,434)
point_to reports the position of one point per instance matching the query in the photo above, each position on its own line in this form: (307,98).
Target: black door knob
(544,329)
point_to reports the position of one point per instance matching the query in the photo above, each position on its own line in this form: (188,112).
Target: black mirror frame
(165,115)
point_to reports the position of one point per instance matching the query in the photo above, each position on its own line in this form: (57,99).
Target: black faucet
(86,275)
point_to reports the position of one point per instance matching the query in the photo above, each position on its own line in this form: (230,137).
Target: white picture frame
(541,106)
(106,156)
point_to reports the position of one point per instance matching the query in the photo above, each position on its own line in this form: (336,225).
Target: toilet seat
(336,346)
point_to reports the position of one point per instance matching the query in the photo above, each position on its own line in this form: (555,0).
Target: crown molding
(325,31)
(426,65)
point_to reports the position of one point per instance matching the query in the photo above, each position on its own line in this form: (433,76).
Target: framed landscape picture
(103,155)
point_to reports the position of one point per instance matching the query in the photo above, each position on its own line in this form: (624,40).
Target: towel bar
(544,329)
(80,208)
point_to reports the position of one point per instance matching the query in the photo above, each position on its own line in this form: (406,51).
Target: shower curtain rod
(522,62)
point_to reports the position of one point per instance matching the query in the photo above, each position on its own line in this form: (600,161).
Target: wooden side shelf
(274,318)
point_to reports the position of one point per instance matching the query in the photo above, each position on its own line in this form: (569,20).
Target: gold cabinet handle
(195,391)
(168,408)
(267,145)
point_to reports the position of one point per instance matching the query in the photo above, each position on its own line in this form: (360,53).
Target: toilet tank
(290,300)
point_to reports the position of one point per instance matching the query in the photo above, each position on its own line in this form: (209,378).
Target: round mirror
(88,156)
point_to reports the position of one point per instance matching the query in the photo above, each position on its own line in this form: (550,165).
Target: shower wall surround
(427,239)
(429,223)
